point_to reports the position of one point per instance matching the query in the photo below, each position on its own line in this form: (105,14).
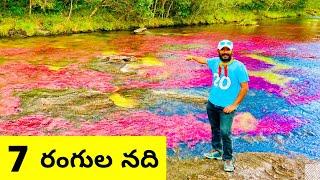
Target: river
(66,85)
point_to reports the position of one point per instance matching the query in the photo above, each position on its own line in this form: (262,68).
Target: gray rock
(140,30)
(117,58)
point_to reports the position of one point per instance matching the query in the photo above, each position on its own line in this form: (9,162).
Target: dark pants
(221,124)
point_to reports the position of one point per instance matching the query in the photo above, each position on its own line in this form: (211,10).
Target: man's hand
(243,91)
(230,108)
(200,60)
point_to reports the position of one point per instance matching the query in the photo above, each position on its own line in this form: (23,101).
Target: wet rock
(17,33)
(252,139)
(310,133)
(117,58)
(279,139)
(127,69)
(43,32)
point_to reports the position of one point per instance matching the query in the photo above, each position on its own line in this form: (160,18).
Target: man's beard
(225,60)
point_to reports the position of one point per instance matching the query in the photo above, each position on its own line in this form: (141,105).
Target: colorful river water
(61,86)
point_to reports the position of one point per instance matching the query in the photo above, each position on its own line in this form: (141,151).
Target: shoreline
(23,27)
(249,165)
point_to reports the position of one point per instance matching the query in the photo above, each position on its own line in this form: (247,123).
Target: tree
(43,4)
(70,10)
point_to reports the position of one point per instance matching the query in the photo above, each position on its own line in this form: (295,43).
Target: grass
(5,25)
(54,24)
(313,7)
(276,15)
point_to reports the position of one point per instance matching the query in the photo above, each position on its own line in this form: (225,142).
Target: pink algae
(34,125)
(177,128)
(268,125)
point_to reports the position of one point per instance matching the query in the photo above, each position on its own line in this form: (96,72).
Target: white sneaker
(229,165)
(214,154)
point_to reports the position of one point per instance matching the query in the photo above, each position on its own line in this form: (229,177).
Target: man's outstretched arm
(243,91)
(201,60)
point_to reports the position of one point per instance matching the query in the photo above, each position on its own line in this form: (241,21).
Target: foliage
(38,17)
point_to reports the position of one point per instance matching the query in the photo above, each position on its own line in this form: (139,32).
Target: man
(229,87)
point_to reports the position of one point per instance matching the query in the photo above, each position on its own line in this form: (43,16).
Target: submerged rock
(117,58)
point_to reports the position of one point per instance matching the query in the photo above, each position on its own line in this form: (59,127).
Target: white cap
(225,43)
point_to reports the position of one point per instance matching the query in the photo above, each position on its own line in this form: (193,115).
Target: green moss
(103,66)
(68,103)
(2,60)
(248,22)
(76,104)
(276,14)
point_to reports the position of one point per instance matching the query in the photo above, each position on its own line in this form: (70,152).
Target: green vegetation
(77,104)
(50,17)
(67,103)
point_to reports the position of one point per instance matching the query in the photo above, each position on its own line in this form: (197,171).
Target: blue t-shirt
(224,90)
